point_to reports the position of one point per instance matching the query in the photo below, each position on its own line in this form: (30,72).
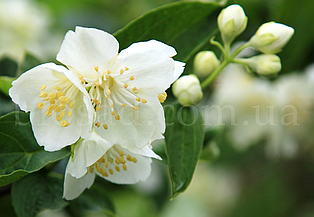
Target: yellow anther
(162,97)
(69,114)
(134,160)
(43,94)
(48,113)
(59,94)
(86,173)
(62,113)
(67,100)
(105,126)
(96,101)
(109,92)
(117,168)
(52,95)
(97,83)
(64,123)
(134,89)
(71,105)
(143,100)
(57,109)
(110,171)
(52,101)
(138,99)
(101,160)
(132,78)
(57,88)
(50,108)
(43,87)
(117,160)
(126,68)
(62,98)
(124,167)
(59,117)
(117,117)
(97,124)
(98,108)
(107,164)
(111,105)
(121,159)
(104,173)
(108,72)
(129,158)
(46,99)
(121,71)
(107,76)
(40,106)
(96,68)
(113,113)
(121,152)
(62,106)
(125,85)
(135,108)
(91,168)
(110,160)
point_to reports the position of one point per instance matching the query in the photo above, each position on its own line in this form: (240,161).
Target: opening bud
(265,64)
(205,62)
(271,37)
(231,22)
(188,90)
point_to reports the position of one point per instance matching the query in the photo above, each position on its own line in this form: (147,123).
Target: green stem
(212,76)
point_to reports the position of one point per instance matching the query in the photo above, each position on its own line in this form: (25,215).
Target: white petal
(47,130)
(87,153)
(74,187)
(145,151)
(135,172)
(135,128)
(151,65)
(87,48)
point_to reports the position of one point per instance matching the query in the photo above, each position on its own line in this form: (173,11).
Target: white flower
(124,87)
(271,37)
(114,163)
(231,22)
(205,62)
(59,106)
(188,90)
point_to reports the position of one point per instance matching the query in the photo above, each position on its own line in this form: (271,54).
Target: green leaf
(37,192)
(93,200)
(29,62)
(8,67)
(184,141)
(19,152)
(5,84)
(183,25)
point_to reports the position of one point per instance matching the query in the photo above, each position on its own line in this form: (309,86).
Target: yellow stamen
(59,117)
(43,87)
(109,72)
(138,99)
(110,171)
(126,68)
(117,117)
(143,100)
(98,108)
(107,76)
(134,89)
(129,158)
(113,113)
(121,152)
(69,114)
(52,101)
(117,168)
(46,99)
(91,168)
(64,123)
(96,68)
(107,164)
(162,97)
(97,83)
(132,78)
(59,94)
(124,167)
(124,105)
(71,105)
(48,113)
(121,71)
(57,88)
(134,160)
(109,92)
(135,108)
(62,113)
(105,126)
(43,94)
(52,95)
(125,86)
(57,109)
(117,160)
(40,106)
(97,124)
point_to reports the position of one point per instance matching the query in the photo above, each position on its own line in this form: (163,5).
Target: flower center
(112,160)
(57,100)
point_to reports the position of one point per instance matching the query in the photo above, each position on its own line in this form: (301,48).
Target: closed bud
(231,22)
(265,64)
(205,62)
(271,37)
(188,90)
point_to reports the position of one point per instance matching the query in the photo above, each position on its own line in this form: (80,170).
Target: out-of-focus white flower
(271,37)
(188,90)
(232,21)
(97,156)
(24,25)
(205,62)
(264,64)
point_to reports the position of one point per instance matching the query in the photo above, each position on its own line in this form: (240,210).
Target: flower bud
(265,64)
(231,22)
(205,62)
(271,37)
(188,90)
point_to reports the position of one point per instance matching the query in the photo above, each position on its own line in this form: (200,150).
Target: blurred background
(246,169)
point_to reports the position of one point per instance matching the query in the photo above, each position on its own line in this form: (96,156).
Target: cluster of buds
(269,39)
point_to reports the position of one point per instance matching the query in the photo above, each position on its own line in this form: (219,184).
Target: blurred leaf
(35,193)
(92,200)
(184,141)
(8,67)
(5,84)
(19,152)
(6,206)
(29,62)
(183,25)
